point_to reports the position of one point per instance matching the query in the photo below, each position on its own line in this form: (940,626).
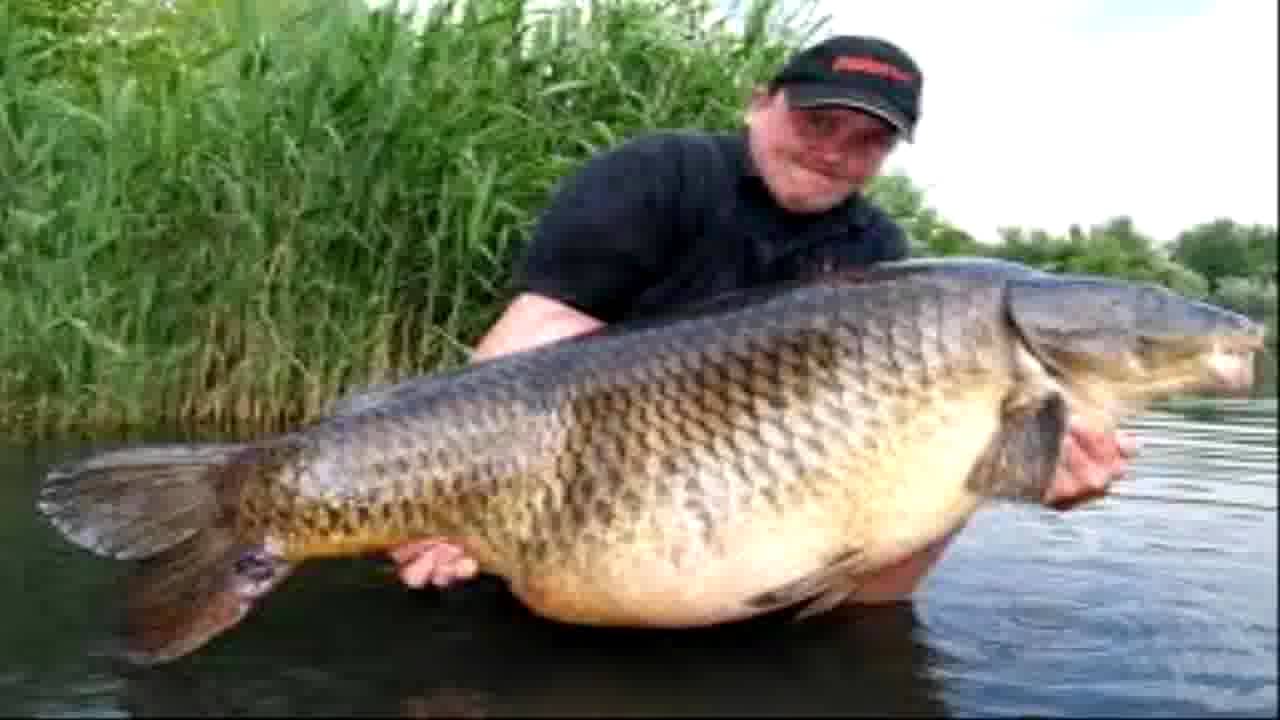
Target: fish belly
(891,499)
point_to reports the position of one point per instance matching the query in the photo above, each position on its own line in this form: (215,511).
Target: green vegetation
(222,216)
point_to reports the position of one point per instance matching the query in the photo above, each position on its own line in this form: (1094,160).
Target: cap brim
(816,95)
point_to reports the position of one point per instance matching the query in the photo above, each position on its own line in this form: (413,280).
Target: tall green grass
(233,237)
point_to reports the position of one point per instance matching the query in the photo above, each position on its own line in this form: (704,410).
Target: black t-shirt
(672,218)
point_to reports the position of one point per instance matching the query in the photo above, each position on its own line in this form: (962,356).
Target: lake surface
(1159,600)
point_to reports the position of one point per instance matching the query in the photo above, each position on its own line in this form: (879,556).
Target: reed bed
(231,229)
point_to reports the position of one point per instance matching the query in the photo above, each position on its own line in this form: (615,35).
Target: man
(673,217)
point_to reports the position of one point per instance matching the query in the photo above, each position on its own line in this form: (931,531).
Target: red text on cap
(847,63)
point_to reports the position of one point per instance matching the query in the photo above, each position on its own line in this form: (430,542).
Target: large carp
(760,452)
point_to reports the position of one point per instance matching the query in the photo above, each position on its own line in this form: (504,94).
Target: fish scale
(767,449)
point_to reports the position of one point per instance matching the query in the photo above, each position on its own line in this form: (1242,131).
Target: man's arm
(532,319)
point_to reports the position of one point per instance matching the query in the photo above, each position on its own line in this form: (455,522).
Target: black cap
(860,72)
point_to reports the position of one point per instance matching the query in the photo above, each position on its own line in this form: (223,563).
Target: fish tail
(160,506)
(133,503)
(178,601)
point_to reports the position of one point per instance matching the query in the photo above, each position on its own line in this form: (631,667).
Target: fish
(762,451)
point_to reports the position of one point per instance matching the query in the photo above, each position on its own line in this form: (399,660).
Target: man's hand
(1091,461)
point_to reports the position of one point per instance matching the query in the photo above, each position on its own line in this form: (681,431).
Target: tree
(1223,248)
(947,239)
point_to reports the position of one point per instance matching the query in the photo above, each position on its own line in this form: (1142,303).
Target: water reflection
(433,657)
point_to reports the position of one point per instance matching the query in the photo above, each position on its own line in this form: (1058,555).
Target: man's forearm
(531,320)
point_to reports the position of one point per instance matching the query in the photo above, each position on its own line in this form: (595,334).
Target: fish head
(1206,347)
(1116,345)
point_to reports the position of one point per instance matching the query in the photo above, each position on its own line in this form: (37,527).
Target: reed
(295,206)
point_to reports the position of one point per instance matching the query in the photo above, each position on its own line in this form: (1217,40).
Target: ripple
(1159,599)
(1096,643)
(1215,659)
(88,695)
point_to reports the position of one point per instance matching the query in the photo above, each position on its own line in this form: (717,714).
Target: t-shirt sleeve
(875,237)
(886,236)
(602,238)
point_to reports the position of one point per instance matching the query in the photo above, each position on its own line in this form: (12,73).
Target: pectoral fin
(1022,459)
(819,591)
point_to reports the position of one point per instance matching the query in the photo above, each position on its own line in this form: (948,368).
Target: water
(1159,600)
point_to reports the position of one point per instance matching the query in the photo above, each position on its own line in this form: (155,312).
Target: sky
(1053,112)
(1048,113)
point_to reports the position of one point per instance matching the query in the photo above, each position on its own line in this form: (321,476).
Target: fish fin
(828,601)
(1020,462)
(819,591)
(136,502)
(179,600)
(160,505)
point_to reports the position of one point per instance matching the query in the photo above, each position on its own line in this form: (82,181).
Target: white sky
(1047,112)
(1044,113)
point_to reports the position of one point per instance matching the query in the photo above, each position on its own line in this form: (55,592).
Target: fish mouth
(1231,363)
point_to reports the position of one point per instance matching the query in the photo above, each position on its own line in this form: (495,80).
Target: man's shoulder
(695,151)
(680,146)
(681,174)
(873,225)
(680,138)
(866,211)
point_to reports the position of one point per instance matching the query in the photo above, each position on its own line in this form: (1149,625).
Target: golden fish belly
(888,497)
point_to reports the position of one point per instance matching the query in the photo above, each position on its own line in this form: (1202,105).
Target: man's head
(824,125)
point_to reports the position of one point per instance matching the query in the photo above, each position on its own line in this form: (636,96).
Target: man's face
(812,160)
